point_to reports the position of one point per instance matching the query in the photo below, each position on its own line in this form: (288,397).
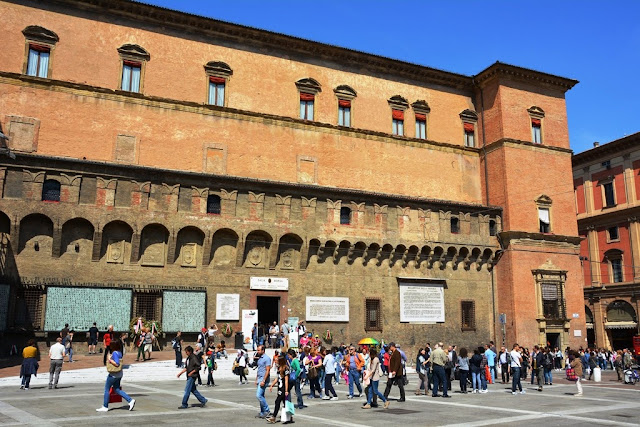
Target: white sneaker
(484,391)
(475,391)
(325,398)
(334,398)
(102,409)
(523,392)
(578,394)
(132,404)
(513,392)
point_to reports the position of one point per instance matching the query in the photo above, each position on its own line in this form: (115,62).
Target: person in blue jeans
(354,363)
(115,376)
(192,368)
(262,379)
(373,375)
(516,366)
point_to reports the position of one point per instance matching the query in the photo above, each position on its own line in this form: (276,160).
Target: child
(210,368)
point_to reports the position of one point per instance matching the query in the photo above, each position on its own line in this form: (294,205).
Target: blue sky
(595,42)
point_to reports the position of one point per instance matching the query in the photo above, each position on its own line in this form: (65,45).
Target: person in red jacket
(106,340)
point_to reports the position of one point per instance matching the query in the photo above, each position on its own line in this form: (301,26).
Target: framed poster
(228,306)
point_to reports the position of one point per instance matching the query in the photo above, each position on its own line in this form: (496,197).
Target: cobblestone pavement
(74,403)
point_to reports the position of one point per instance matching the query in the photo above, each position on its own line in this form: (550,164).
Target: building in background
(606,179)
(161,163)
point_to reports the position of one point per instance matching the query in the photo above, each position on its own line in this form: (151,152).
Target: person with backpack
(548,366)
(211,366)
(176,344)
(241,365)
(354,363)
(593,362)
(192,369)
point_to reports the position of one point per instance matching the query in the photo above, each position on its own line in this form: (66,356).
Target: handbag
(114,397)
(289,407)
(313,372)
(571,375)
(246,371)
(112,369)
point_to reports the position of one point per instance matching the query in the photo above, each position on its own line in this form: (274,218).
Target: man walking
(56,356)
(262,379)
(285,331)
(537,360)
(192,369)
(516,366)
(438,361)
(274,332)
(395,372)
(504,364)
(491,360)
(354,363)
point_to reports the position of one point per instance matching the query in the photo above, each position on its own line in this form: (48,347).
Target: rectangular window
(398,122)
(216,91)
(373,317)
(421,126)
(131,76)
(545,222)
(468,311)
(147,305)
(613,234)
(306,106)
(344,113)
(616,270)
(536,131)
(455,225)
(493,229)
(552,300)
(345,215)
(609,195)
(469,135)
(38,61)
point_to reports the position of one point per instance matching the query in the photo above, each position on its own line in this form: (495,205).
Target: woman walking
(29,364)
(329,364)
(313,363)
(282,379)
(373,375)
(463,367)
(420,369)
(114,368)
(576,364)
(241,360)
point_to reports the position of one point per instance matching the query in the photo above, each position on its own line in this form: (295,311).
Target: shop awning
(620,325)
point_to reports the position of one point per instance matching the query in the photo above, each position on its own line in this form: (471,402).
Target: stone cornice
(201,108)
(187,178)
(500,69)
(605,151)
(163,18)
(509,237)
(608,217)
(524,144)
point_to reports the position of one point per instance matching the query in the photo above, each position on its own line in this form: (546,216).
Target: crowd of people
(319,367)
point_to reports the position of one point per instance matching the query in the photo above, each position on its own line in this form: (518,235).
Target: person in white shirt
(274,331)
(516,366)
(56,356)
(329,363)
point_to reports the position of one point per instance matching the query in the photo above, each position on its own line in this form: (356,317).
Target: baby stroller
(631,375)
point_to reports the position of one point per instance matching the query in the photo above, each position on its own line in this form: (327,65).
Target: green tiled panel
(183,311)
(4,306)
(80,307)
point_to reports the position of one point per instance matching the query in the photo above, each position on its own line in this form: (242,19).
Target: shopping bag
(289,407)
(487,374)
(571,375)
(114,397)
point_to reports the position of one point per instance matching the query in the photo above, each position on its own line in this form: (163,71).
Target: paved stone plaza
(158,397)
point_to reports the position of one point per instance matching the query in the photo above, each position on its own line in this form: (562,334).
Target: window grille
(468,311)
(373,317)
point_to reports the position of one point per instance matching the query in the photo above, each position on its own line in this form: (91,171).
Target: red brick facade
(460,205)
(611,249)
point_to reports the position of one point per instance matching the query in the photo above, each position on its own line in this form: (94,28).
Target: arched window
(51,191)
(345,215)
(213,204)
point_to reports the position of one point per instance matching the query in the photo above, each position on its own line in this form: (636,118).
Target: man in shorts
(148,344)
(93,338)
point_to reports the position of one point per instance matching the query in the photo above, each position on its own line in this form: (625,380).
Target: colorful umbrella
(369,341)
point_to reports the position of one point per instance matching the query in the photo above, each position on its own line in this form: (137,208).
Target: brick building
(162,161)
(606,179)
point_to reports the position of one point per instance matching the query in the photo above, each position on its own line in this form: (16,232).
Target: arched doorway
(621,324)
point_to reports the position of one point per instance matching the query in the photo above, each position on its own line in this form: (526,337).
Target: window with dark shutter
(51,191)
(468,311)
(373,317)
(455,225)
(213,204)
(552,300)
